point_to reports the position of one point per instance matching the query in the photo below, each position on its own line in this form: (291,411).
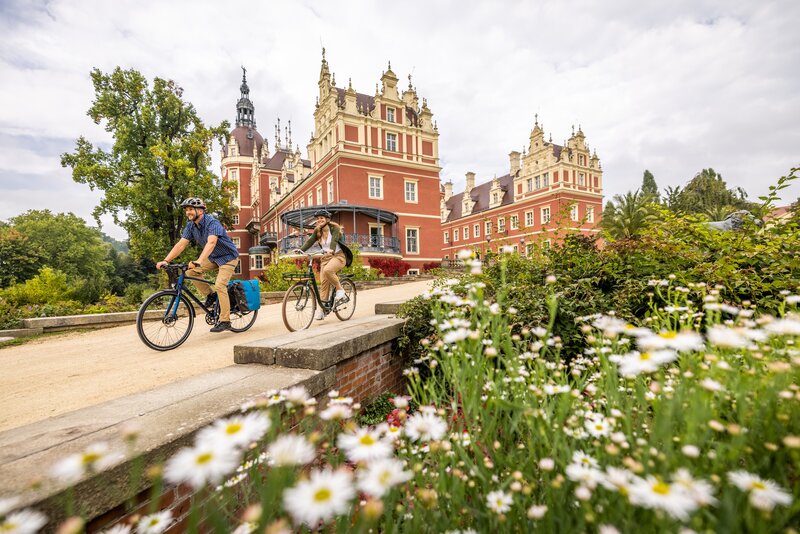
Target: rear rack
(296,276)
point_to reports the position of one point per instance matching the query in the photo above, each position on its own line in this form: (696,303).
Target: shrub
(430,266)
(271,279)
(48,286)
(390,266)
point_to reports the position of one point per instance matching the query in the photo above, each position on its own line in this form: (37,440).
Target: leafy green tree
(649,186)
(19,258)
(160,155)
(707,192)
(64,242)
(627,215)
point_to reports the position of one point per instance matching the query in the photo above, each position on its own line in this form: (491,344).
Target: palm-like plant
(627,215)
(718,213)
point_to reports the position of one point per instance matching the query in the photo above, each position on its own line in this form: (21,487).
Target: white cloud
(672,87)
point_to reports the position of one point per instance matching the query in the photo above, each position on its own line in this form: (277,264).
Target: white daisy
(785,327)
(619,480)
(237,431)
(724,337)
(154,523)
(764,494)
(296,396)
(653,493)
(96,457)
(336,411)
(537,511)
(425,426)
(635,362)
(585,474)
(364,445)
(580,457)
(597,425)
(8,504)
(668,339)
(23,522)
(206,462)
(381,475)
(324,495)
(390,432)
(711,385)
(701,491)
(499,502)
(291,449)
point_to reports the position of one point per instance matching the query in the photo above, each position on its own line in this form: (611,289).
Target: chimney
(470,181)
(513,158)
(448,191)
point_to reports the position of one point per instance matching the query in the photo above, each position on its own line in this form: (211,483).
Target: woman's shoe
(319,315)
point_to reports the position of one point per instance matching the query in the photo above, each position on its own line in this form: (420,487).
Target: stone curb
(21,332)
(389,308)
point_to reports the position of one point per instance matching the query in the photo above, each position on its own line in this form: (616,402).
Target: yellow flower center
(598,426)
(8,526)
(233,428)
(154,521)
(757,485)
(204,458)
(384,478)
(322,495)
(668,335)
(644,356)
(661,488)
(366,439)
(90,458)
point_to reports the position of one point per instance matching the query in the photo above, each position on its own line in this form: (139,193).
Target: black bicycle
(166,318)
(302,298)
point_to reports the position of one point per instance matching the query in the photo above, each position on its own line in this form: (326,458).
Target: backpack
(245,295)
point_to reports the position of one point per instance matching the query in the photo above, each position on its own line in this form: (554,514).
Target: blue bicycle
(166,318)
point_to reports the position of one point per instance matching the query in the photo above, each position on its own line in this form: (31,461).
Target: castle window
(391,142)
(590,214)
(487,228)
(581,179)
(466,232)
(412,240)
(476,230)
(375,187)
(514,222)
(495,198)
(538,180)
(390,114)
(528,218)
(235,220)
(237,241)
(455,234)
(573,212)
(501,224)
(235,178)
(319,195)
(546,179)
(238,268)
(447,237)
(545,215)
(330,190)
(259,261)
(411,191)
(530,185)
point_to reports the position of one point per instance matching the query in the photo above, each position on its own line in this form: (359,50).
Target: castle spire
(245,111)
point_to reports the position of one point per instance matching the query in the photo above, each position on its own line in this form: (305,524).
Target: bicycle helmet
(193,202)
(322,213)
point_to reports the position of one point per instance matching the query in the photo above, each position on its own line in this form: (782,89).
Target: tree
(649,186)
(19,258)
(627,215)
(707,192)
(159,157)
(64,242)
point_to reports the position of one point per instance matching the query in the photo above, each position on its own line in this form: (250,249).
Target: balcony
(253,225)
(269,239)
(366,243)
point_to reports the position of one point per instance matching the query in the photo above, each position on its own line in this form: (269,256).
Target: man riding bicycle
(218,252)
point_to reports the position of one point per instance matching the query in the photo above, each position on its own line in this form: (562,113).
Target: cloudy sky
(669,86)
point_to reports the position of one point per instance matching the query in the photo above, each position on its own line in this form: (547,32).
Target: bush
(356,269)
(390,267)
(48,286)
(430,266)
(271,279)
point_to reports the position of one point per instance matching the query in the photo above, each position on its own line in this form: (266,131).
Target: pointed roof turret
(245,111)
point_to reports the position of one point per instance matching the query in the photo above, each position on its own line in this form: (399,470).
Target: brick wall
(371,373)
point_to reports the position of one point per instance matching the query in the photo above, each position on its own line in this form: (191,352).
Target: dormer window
(390,114)
(495,198)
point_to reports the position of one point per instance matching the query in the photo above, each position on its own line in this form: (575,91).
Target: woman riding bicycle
(335,255)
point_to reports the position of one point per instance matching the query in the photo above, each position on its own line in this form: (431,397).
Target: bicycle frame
(179,287)
(328,305)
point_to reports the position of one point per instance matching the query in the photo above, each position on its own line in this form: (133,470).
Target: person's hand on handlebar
(160,265)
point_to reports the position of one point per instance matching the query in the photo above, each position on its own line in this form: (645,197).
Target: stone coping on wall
(166,418)
(322,347)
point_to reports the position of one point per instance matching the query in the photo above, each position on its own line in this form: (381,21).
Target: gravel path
(55,375)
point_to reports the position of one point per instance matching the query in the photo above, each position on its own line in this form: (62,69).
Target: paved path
(55,375)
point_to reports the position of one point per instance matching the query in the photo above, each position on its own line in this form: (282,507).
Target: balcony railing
(366,243)
(268,239)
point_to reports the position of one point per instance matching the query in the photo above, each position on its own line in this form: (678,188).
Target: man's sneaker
(211,298)
(221,326)
(320,315)
(340,296)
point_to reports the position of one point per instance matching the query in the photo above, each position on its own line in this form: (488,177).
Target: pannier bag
(245,295)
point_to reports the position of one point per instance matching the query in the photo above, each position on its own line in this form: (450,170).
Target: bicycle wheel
(241,321)
(347,308)
(299,306)
(163,323)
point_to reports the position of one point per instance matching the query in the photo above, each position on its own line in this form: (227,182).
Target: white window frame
(259,259)
(379,227)
(393,137)
(487,228)
(495,197)
(476,230)
(465,232)
(237,241)
(538,182)
(414,229)
(590,214)
(529,185)
(546,179)
(455,235)
(447,237)
(415,196)
(545,215)
(529,218)
(310,198)
(330,190)
(513,222)
(501,224)
(390,114)
(573,212)
(378,188)
(238,268)
(237,194)
(582,179)
(236,220)
(319,195)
